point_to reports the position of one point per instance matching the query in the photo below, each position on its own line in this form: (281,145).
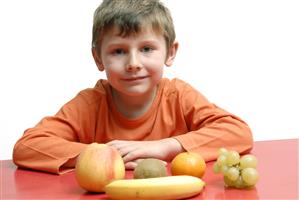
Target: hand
(134,151)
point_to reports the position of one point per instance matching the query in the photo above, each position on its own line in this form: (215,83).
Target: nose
(133,63)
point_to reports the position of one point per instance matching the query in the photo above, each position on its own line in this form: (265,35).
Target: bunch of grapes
(238,172)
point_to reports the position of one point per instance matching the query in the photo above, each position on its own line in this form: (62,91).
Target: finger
(130,165)
(137,161)
(164,162)
(126,150)
(114,142)
(118,144)
(135,154)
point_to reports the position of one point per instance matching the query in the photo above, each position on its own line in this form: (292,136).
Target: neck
(133,106)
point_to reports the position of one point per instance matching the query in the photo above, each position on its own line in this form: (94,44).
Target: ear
(97,59)
(171,53)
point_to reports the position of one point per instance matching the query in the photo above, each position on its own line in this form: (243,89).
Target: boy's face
(133,64)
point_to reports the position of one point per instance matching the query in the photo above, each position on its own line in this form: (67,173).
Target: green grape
(223,169)
(228,182)
(216,168)
(221,160)
(232,158)
(239,183)
(222,151)
(232,173)
(248,161)
(237,172)
(250,176)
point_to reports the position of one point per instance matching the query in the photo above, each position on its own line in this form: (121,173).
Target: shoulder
(96,94)
(178,86)
(183,92)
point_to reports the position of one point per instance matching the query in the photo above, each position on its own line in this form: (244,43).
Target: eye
(118,51)
(147,49)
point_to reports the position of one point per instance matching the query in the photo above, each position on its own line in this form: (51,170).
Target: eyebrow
(141,42)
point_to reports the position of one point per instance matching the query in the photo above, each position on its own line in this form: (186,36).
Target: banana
(169,187)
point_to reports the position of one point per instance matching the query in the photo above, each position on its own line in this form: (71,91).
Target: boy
(135,110)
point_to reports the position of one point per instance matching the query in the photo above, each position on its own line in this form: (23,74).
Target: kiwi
(150,168)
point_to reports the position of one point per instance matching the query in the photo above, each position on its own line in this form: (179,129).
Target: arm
(207,129)
(131,151)
(53,142)
(211,127)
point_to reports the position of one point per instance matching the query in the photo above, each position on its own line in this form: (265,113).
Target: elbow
(241,137)
(20,154)
(16,154)
(247,139)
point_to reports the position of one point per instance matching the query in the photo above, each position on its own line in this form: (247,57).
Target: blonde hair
(130,17)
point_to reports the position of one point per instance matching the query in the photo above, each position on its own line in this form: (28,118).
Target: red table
(278,169)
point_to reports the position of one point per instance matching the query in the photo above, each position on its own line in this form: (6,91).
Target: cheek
(155,64)
(111,74)
(113,67)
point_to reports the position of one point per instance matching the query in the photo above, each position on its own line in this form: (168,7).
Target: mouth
(135,78)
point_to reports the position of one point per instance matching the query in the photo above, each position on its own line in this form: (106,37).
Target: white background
(242,55)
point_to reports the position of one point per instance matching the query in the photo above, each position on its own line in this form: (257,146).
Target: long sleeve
(211,127)
(53,141)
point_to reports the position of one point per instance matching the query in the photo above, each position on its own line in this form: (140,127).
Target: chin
(136,92)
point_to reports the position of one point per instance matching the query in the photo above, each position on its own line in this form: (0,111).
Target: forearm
(46,153)
(228,132)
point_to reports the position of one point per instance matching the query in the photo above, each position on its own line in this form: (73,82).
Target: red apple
(98,165)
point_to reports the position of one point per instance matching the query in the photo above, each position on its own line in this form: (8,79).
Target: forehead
(144,33)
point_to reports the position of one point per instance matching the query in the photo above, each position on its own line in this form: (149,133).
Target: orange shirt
(178,111)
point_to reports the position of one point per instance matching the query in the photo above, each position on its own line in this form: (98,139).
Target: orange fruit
(188,163)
